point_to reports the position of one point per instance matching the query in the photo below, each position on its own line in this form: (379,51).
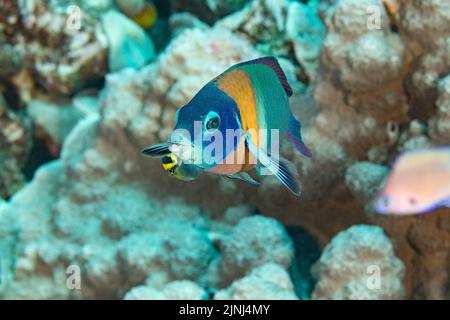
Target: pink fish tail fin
(293,135)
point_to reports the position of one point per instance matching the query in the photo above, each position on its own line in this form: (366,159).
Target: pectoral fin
(284,170)
(245,177)
(157,150)
(446,203)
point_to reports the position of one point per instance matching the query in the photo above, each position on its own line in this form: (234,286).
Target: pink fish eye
(412,201)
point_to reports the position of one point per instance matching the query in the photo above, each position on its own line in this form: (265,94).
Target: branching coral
(255,241)
(269,281)
(61,69)
(440,123)
(208,10)
(364,179)
(177,290)
(284,28)
(359,263)
(15,145)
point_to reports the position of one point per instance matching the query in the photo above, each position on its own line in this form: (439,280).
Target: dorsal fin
(272,63)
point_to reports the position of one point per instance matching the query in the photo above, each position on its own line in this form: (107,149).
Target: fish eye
(173,170)
(212,121)
(412,201)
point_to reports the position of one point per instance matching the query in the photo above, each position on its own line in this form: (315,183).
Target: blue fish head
(207,129)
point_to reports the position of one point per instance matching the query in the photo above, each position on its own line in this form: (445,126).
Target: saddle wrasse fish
(250,99)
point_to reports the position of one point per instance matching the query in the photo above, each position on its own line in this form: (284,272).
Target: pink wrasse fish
(419,182)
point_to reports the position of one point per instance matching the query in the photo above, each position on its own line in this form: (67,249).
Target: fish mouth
(381,203)
(177,145)
(184,151)
(180,144)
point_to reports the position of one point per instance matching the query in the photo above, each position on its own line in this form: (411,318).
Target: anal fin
(245,177)
(284,170)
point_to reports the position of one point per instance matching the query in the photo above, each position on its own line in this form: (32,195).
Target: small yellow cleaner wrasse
(419,182)
(178,169)
(250,100)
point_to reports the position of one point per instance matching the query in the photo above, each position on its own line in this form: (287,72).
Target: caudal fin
(294,136)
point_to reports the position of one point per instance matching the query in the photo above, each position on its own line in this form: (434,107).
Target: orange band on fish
(238,86)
